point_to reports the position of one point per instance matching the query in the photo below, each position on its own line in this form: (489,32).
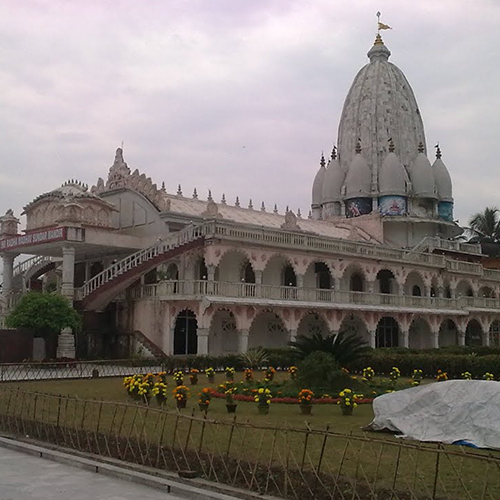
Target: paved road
(27,477)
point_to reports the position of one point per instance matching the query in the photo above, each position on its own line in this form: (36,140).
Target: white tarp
(446,412)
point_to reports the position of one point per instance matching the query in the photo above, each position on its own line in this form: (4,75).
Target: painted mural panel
(358,206)
(392,205)
(445,210)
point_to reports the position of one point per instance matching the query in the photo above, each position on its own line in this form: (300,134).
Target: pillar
(258,277)
(461,337)
(8,271)
(66,344)
(486,338)
(292,335)
(440,292)
(243,341)
(68,273)
(87,270)
(370,286)
(435,339)
(202,335)
(373,338)
(300,281)
(405,338)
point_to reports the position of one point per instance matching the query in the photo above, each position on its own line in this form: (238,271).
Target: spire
(420,147)
(310,215)
(299,215)
(223,200)
(179,190)
(438,151)
(275,208)
(210,195)
(250,204)
(334,153)
(379,52)
(391,145)
(286,209)
(237,202)
(163,186)
(263,207)
(322,161)
(195,194)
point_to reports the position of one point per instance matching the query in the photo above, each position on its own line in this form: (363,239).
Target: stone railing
(459,266)
(491,274)
(431,244)
(248,292)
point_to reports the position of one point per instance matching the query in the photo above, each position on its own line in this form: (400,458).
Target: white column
(202,335)
(66,344)
(405,338)
(373,338)
(87,270)
(435,339)
(8,270)
(300,281)
(258,277)
(292,335)
(243,341)
(68,273)
(370,286)
(461,337)
(486,338)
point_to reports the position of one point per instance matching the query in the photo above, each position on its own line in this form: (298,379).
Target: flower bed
(251,399)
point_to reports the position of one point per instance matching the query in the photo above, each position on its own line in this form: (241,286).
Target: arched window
(185,333)
(416,291)
(289,277)
(248,273)
(387,334)
(356,283)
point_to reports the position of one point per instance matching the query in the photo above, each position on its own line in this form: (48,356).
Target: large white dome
(380,106)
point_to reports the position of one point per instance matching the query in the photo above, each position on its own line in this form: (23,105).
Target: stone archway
(279,271)
(223,333)
(267,330)
(414,285)
(387,333)
(318,276)
(494,333)
(474,333)
(386,282)
(353,324)
(231,268)
(312,323)
(420,335)
(185,333)
(448,333)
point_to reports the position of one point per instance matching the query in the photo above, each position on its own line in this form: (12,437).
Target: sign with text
(36,238)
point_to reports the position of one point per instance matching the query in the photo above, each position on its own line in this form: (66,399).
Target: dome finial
(438,151)
(420,147)
(391,145)
(358,146)
(379,52)
(322,161)
(334,152)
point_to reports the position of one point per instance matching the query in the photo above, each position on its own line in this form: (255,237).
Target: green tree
(485,226)
(44,313)
(344,347)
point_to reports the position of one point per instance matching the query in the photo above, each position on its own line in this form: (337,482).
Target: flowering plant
(205,396)
(263,396)
(162,376)
(179,377)
(467,375)
(395,374)
(369,373)
(270,372)
(488,376)
(348,399)
(305,397)
(139,387)
(293,372)
(417,377)
(210,373)
(441,376)
(230,371)
(193,376)
(181,393)
(160,392)
(229,390)
(248,373)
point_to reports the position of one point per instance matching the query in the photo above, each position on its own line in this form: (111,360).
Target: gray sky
(239,96)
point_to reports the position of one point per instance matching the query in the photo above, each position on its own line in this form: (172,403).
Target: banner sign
(392,205)
(36,238)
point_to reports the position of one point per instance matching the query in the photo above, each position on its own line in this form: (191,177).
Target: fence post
(396,472)
(230,437)
(318,468)
(436,472)
(306,440)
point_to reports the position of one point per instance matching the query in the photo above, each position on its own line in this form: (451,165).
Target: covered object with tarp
(456,411)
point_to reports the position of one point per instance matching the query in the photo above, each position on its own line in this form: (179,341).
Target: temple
(154,271)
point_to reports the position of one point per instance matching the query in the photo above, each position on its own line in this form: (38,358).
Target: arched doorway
(185,333)
(385,279)
(387,334)
(354,325)
(289,278)
(448,333)
(473,333)
(356,282)
(311,324)
(172,272)
(420,336)
(495,333)
(267,330)
(223,334)
(248,273)
(414,285)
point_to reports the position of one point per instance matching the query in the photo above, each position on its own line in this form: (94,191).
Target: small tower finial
(420,147)
(163,186)
(237,202)
(275,208)
(263,207)
(310,215)
(195,194)
(358,146)
(210,195)
(334,152)
(322,161)
(179,190)
(438,151)
(391,145)
(223,200)
(299,214)
(250,204)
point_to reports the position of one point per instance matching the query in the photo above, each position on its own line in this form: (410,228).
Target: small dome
(333,181)
(359,177)
(422,176)
(317,190)
(442,178)
(392,178)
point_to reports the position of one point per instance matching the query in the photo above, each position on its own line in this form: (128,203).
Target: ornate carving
(212,211)
(290,221)
(119,176)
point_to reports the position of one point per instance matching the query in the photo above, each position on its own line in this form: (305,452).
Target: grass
(266,438)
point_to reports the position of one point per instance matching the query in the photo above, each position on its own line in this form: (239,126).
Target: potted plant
(179,377)
(488,376)
(193,376)
(306,401)
(160,392)
(263,399)
(293,372)
(270,372)
(181,395)
(467,375)
(204,398)
(248,374)
(230,371)
(210,373)
(416,378)
(441,376)
(229,391)
(368,373)
(348,401)
(394,375)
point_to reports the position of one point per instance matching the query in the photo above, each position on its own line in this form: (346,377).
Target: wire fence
(287,462)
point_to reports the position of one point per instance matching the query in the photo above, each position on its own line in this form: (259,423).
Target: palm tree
(344,347)
(486,225)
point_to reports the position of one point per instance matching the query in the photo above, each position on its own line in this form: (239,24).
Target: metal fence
(287,462)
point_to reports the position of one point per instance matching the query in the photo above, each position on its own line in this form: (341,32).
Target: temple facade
(163,272)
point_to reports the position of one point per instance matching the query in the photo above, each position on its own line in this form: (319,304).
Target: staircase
(106,285)
(147,344)
(25,270)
